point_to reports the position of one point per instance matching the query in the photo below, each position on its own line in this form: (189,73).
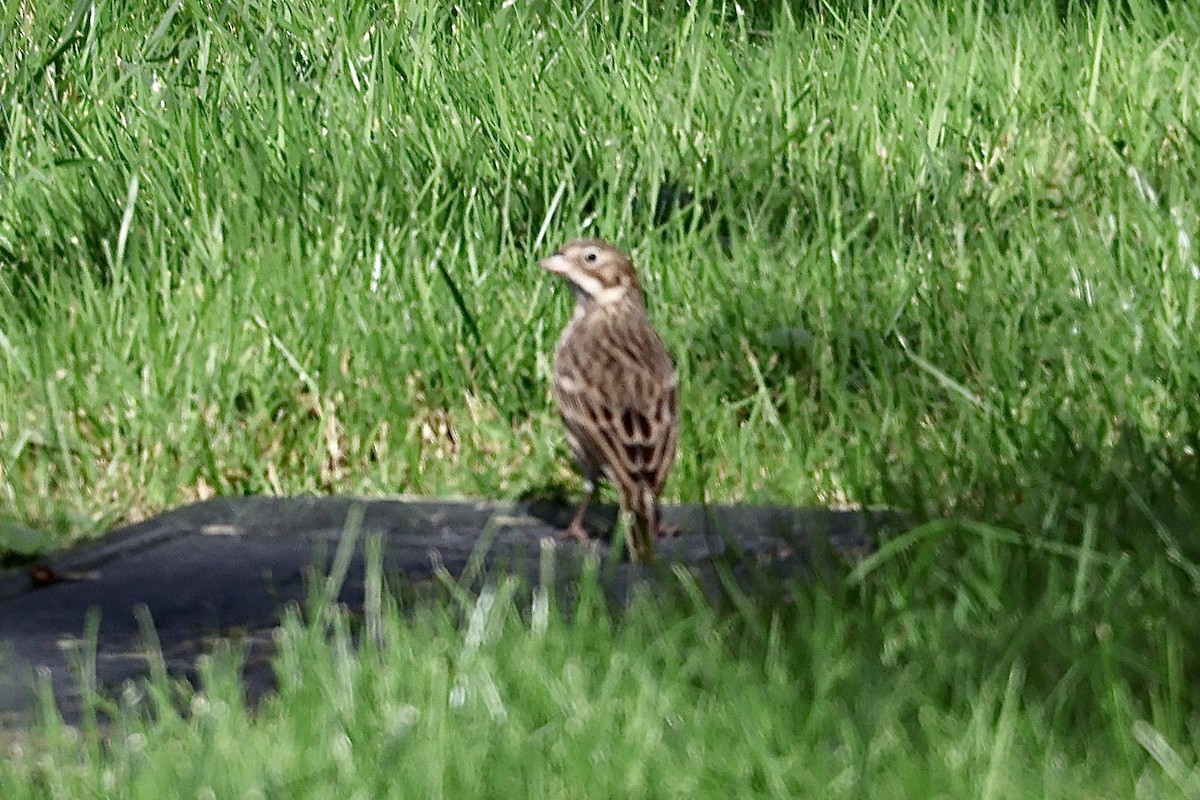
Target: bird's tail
(643,527)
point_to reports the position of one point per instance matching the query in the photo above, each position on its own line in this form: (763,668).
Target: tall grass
(932,256)
(484,699)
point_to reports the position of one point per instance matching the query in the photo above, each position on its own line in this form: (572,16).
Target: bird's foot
(575,532)
(666,531)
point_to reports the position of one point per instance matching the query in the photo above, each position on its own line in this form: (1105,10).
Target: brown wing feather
(618,396)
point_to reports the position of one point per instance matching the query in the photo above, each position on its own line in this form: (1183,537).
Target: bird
(616,389)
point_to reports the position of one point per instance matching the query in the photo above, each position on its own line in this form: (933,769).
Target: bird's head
(598,273)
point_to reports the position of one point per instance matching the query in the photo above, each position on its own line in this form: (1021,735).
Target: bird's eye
(590,258)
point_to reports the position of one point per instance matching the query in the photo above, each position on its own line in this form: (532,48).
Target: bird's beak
(557,263)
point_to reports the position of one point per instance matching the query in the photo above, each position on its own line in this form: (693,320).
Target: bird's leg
(662,529)
(575,531)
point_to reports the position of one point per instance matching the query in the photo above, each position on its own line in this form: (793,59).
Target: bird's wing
(621,407)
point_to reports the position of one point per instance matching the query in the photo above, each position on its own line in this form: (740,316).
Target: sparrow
(616,390)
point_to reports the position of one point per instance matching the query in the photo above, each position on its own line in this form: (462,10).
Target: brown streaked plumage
(616,388)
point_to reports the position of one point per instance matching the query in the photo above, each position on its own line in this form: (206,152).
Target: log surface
(227,567)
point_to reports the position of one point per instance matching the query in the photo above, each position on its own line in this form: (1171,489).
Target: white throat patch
(588,288)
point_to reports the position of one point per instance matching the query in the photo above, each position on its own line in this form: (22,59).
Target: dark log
(227,568)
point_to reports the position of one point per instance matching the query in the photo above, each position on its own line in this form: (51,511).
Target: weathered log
(227,568)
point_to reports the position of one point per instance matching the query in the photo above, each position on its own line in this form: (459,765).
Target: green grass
(481,699)
(931,255)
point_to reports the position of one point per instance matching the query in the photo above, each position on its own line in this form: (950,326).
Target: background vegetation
(935,256)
